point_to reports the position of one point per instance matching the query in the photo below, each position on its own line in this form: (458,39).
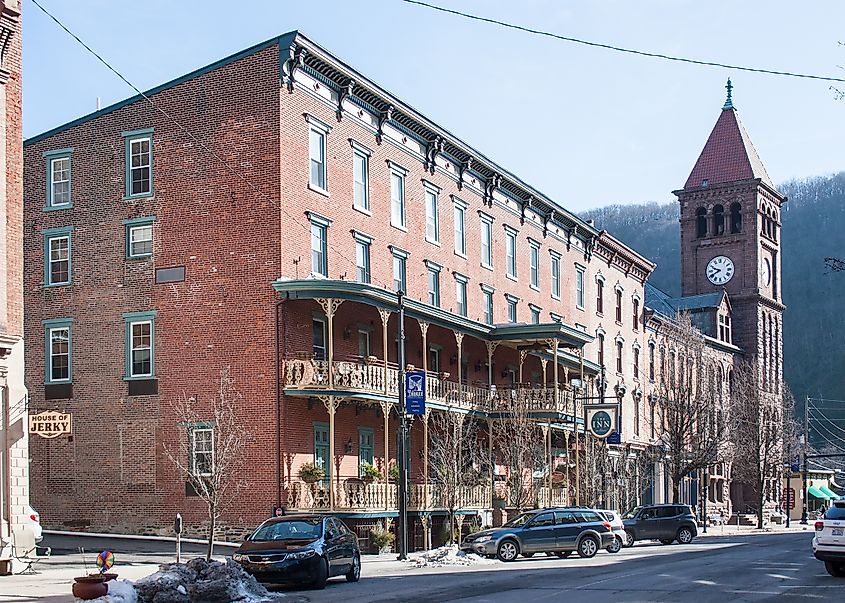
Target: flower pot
(91,587)
(368,479)
(310,479)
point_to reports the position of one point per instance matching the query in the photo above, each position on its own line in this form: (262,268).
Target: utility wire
(201,144)
(643,53)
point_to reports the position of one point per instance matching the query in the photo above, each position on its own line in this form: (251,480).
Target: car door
(566,530)
(539,534)
(334,547)
(648,524)
(668,519)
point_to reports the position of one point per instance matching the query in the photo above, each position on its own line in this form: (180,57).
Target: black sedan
(301,549)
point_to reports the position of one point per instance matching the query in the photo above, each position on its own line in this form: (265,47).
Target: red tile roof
(728,155)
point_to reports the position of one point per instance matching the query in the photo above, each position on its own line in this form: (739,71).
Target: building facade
(14,462)
(266,223)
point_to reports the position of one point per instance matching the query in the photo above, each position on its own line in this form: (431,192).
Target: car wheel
(629,539)
(588,547)
(508,550)
(322,575)
(354,573)
(685,536)
(563,554)
(615,546)
(666,540)
(837,570)
(528,555)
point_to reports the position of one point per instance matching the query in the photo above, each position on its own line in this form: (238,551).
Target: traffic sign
(614,438)
(415,392)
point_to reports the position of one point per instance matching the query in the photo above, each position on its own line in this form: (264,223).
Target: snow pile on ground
(120,591)
(448,555)
(201,581)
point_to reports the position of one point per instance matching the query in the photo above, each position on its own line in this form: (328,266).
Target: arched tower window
(736,218)
(700,222)
(718,220)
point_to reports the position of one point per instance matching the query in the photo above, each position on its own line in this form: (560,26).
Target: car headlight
(238,557)
(302,554)
(483,539)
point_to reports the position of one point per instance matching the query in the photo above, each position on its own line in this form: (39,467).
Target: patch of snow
(120,591)
(446,556)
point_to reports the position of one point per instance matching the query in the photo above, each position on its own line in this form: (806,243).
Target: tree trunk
(676,490)
(760,506)
(212,512)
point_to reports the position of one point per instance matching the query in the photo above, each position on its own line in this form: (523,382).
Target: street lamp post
(403,438)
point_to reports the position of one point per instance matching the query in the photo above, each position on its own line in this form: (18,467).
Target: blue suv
(551,531)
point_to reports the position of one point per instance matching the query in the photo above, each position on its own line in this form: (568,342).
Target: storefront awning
(815,492)
(830,493)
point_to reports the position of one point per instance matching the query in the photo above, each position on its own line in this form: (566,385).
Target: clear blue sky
(588,127)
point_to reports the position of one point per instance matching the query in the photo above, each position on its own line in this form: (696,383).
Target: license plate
(836,532)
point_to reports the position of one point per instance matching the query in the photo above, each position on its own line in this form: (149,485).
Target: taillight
(34,517)
(819,526)
(608,526)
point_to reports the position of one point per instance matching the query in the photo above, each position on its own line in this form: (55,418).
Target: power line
(201,144)
(643,53)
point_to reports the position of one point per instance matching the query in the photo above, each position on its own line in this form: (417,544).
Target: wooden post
(385,317)
(385,408)
(331,404)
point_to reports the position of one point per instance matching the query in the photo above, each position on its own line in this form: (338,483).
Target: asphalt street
(719,569)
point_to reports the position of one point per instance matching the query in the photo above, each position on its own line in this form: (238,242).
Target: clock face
(766,272)
(720,270)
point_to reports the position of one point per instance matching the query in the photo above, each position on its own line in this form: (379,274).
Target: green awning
(815,492)
(830,493)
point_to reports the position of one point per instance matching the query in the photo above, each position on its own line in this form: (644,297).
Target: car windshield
(519,520)
(632,513)
(293,529)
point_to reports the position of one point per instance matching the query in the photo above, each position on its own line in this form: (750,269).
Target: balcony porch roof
(515,334)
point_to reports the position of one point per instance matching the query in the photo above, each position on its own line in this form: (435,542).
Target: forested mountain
(813,229)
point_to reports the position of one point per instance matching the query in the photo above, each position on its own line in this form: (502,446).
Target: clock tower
(730,239)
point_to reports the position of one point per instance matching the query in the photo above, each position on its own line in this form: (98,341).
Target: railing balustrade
(374,378)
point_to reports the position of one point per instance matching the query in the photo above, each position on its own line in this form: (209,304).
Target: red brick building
(261,213)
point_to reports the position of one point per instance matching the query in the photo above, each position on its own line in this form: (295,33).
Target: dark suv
(665,523)
(550,531)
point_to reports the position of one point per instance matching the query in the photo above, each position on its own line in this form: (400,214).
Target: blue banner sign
(415,392)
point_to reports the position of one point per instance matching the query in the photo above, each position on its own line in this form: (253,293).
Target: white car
(829,541)
(33,520)
(618,527)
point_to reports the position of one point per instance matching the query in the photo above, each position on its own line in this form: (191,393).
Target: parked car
(34,523)
(303,549)
(552,531)
(829,541)
(618,527)
(665,523)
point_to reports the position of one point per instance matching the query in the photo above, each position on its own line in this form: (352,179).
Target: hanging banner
(600,419)
(50,424)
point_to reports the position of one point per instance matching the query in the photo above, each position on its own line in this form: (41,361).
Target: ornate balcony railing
(376,379)
(352,494)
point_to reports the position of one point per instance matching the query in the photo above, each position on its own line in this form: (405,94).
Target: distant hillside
(813,229)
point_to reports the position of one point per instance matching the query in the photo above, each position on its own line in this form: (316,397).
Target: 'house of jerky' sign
(50,424)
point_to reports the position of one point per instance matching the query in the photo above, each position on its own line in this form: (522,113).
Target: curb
(138,537)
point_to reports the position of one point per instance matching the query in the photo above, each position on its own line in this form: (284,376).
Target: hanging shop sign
(600,419)
(50,424)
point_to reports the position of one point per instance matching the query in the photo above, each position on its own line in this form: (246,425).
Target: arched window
(651,361)
(736,218)
(718,220)
(700,222)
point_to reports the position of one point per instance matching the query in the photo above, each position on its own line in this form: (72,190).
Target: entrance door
(321,449)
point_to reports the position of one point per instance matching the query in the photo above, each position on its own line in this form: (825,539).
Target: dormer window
(725,328)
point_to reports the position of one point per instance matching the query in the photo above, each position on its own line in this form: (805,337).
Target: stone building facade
(14,458)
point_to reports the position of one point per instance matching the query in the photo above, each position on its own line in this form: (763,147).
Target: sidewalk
(734,530)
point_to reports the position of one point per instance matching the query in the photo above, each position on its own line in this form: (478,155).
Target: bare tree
(687,396)
(453,456)
(210,451)
(521,446)
(757,435)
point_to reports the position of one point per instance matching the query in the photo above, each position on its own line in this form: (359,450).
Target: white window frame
(398,196)
(50,261)
(195,452)
(534,263)
(363,244)
(433,283)
(51,355)
(139,348)
(400,261)
(431,195)
(487,233)
(53,181)
(460,226)
(580,283)
(149,165)
(460,294)
(513,308)
(321,129)
(554,271)
(488,316)
(510,253)
(132,229)
(360,200)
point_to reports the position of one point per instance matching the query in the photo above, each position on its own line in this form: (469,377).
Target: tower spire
(728,101)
